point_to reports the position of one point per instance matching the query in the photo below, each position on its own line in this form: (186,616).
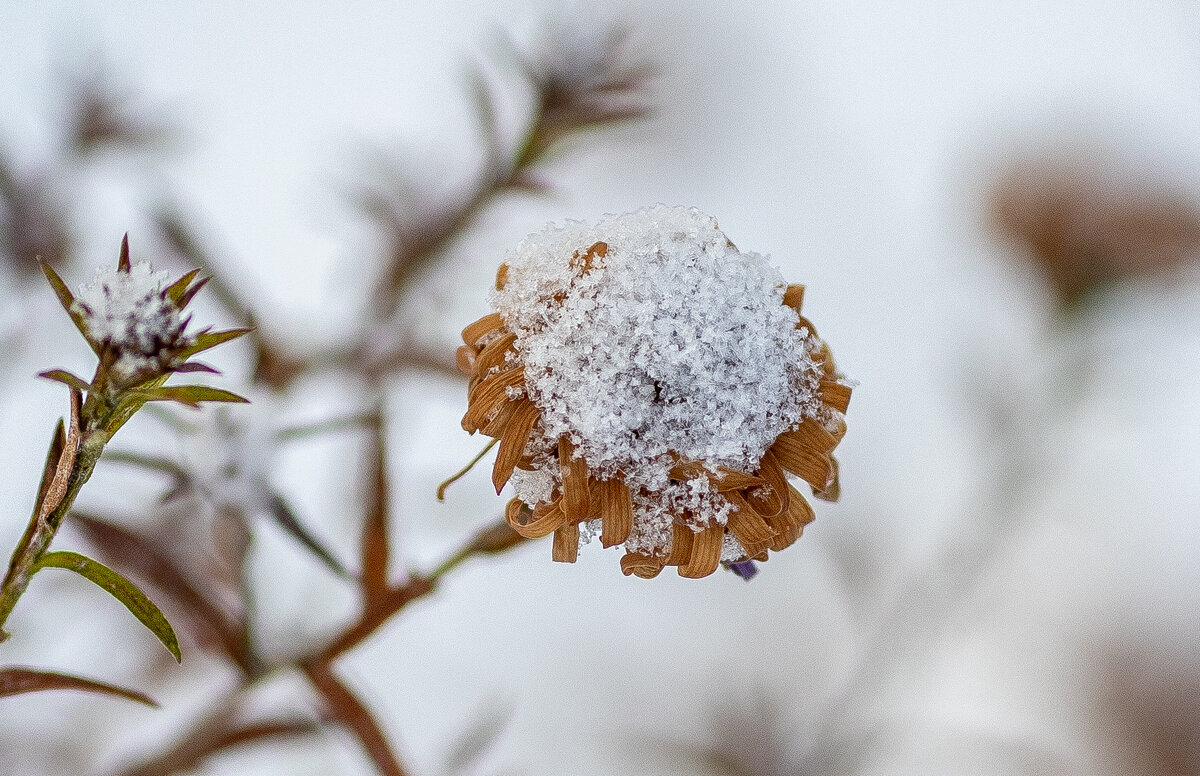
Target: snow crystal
(129,312)
(648,339)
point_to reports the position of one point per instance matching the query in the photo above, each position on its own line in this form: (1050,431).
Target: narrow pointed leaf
(57,442)
(196,366)
(210,339)
(68,379)
(175,291)
(288,521)
(121,589)
(15,681)
(190,293)
(191,395)
(67,300)
(123,261)
(65,297)
(206,620)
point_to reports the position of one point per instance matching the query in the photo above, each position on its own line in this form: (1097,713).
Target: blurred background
(995,209)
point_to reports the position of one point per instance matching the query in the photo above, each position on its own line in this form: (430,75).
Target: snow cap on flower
(650,383)
(129,311)
(133,319)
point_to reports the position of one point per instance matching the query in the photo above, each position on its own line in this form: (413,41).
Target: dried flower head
(651,384)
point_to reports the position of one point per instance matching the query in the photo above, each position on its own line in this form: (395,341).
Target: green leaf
(65,297)
(15,680)
(121,589)
(210,339)
(191,395)
(175,291)
(186,297)
(66,378)
(67,300)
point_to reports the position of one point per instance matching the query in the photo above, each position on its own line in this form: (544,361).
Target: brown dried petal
(681,546)
(566,543)
(575,482)
(793,297)
(616,507)
(832,491)
(543,521)
(512,444)
(724,480)
(484,400)
(805,453)
(480,328)
(791,523)
(465,359)
(835,394)
(750,528)
(706,553)
(776,500)
(643,566)
(493,355)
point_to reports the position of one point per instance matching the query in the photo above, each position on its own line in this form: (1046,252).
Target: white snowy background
(851,141)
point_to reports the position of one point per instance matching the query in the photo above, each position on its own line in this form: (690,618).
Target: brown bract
(768,512)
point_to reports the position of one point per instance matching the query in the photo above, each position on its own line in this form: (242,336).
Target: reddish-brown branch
(345,707)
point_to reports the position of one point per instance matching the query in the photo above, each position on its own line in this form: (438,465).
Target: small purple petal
(744,569)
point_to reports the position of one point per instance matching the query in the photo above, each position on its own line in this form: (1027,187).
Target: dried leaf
(52,493)
(120,588)
(57,442)
(196,366)
(15,681)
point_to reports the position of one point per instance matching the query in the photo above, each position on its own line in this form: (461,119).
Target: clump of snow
(129,312)
(667,343)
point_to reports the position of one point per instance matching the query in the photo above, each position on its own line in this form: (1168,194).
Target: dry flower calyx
(652,385)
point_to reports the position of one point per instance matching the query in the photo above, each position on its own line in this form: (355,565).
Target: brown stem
(345,707)
(69,465)
(317,665)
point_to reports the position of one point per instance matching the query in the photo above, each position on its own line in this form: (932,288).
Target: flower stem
(43,525)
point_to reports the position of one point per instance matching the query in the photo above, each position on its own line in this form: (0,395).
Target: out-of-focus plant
(134,322)
(200,578)
(1087,222)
